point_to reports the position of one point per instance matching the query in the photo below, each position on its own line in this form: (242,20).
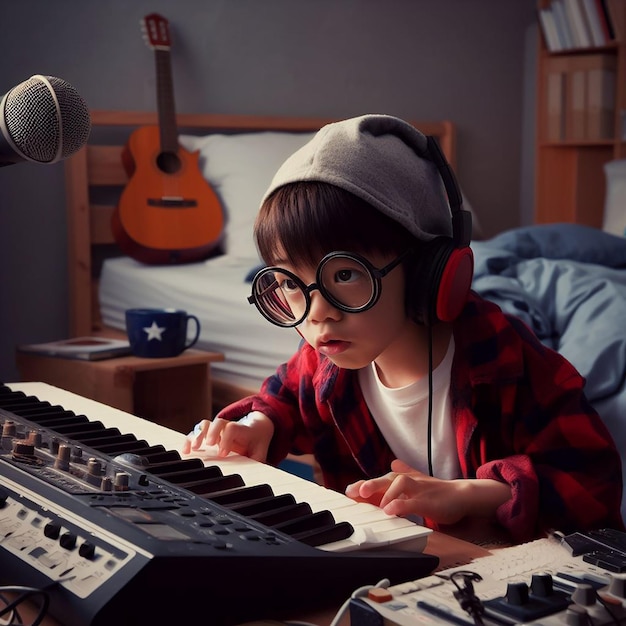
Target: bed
(238,156)
(568,283)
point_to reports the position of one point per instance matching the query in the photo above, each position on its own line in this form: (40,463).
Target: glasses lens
(280,297)
(347,281)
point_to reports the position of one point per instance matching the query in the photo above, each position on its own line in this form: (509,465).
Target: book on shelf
(580,97)
(555,105)
(580,24)
(82,348)
(592,16)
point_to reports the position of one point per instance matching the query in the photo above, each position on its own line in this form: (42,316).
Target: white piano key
(373,528)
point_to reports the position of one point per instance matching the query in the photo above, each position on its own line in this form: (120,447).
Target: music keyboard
(110,529)
(372,527)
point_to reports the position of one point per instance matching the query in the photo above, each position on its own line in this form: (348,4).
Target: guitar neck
(165,101)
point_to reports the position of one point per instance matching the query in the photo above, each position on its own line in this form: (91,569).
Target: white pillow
(240,169)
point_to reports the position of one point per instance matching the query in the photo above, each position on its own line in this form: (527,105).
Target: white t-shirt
(402,416)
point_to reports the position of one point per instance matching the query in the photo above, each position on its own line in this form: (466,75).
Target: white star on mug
(154,332)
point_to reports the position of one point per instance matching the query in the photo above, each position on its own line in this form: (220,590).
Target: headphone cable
(430,400)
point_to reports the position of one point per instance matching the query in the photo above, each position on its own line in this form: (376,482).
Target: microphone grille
(46,118)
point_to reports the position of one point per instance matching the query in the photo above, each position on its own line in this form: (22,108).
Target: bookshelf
(581,98)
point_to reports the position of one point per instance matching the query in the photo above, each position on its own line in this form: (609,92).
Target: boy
(411,391)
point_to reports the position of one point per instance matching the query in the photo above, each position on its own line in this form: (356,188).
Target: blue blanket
(568,283)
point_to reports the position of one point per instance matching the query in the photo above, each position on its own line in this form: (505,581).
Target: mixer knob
(617,586)
(584,595)
(63,458)
(122,481)
(517,593)
(106,484)
(541,585)
(77,454)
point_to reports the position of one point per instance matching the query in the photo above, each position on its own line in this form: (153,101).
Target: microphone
(42,120)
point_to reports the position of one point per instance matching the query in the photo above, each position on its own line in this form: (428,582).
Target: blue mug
(160,333)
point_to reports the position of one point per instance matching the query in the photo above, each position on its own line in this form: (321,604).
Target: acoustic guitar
(167,213)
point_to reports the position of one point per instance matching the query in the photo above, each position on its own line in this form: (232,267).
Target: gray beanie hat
(377,158)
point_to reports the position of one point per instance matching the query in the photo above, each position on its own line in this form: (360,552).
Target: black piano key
(20,402)
(205,488)
(179,465)
(263,505)
(307,523)
(52,422)
(78,427)
(116,444)
(212,471)
(326,534)
(241,494)
(87,436)
(35,414)
(283,514)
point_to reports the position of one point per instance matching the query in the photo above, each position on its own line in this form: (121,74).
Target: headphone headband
(461,219)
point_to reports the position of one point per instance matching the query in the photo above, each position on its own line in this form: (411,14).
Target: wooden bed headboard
(96,171)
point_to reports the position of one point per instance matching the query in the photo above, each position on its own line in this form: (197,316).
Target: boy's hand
(405,491)
(250,436)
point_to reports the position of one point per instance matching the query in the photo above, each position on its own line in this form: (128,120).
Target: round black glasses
(348,281)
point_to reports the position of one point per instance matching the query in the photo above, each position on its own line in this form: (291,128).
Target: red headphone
(439,285)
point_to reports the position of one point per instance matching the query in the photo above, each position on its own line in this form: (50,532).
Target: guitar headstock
(156,31)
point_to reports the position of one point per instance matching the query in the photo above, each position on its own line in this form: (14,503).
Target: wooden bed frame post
(79,245)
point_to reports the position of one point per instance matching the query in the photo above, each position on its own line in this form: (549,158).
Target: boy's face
(354,340)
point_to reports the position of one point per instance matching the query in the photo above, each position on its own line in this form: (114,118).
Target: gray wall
(469,61)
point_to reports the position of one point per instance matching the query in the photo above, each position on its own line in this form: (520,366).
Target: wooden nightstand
(174,392)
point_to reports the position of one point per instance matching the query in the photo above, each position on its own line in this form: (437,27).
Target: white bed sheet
(216,292)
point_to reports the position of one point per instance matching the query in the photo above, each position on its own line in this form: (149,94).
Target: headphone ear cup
(454,284)
(438,287)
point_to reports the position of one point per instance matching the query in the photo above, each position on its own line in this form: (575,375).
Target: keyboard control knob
(52,530)
(34,437)
(87,550)
(584,595)
(517,593)
(63,458)
(22,448)
(9,429)
(122,481)
(68,540)
(94,467)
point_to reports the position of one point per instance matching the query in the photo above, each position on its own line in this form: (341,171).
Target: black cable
(430,401)
(26,593)
(465,595)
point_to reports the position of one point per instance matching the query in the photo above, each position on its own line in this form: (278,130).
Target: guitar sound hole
(168,162)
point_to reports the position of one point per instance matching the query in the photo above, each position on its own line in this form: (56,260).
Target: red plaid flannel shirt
(519,412)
